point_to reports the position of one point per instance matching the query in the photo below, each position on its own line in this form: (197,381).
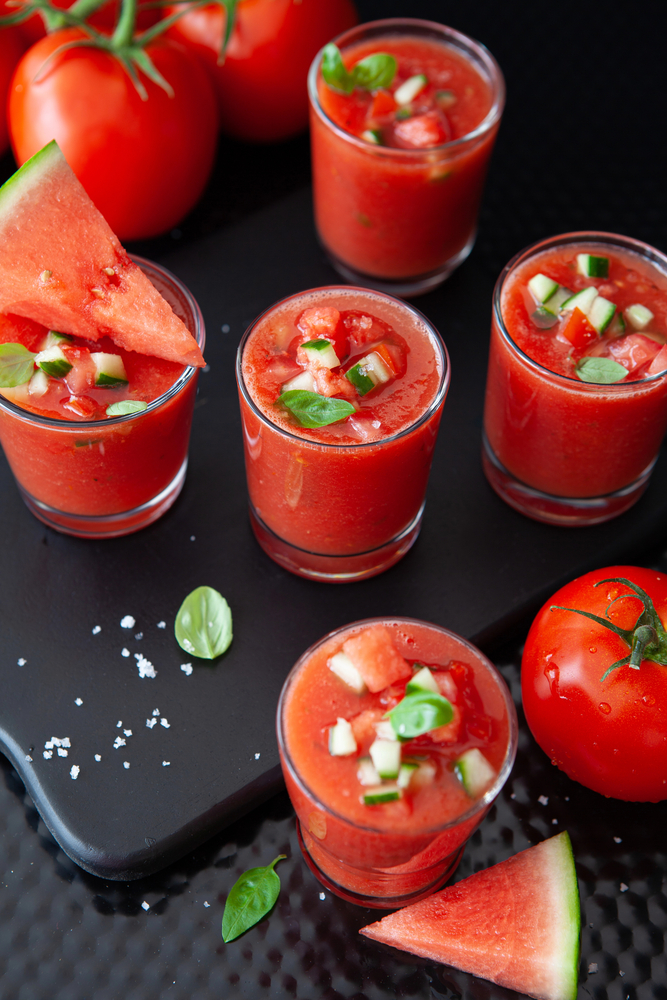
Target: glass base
(565,511)
(405,288)
(334,568)
(108,525)
(386,888)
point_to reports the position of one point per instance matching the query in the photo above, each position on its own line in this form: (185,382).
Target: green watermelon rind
(567,921)
(30,173)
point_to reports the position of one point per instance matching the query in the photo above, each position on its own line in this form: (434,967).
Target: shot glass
(556,448)
(341,503)
(389,854)
(104,478)
(402,219)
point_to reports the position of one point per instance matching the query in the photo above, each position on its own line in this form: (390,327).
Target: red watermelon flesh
(62,266)
(516,924)
(376,658)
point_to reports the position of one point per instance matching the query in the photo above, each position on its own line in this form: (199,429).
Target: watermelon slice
(62,266)
(376,658)
(516,923)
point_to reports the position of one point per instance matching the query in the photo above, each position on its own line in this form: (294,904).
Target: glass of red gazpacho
(97,436)
(395,737)
(576,397)
(341,393)
(404,114)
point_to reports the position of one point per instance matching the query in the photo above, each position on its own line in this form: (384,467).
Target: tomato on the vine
(261,83)
(595,688)
(144,163)
(12,47)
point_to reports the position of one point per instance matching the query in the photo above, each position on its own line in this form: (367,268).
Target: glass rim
(432,408)
(460,41)
(513,726)
(591,238)
(71,426)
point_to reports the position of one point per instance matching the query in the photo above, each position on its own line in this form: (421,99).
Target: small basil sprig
(17,365)
(251,897)
(418,713)
(313,410)
(126,406)
(204,624)
(603,371)
(371,73)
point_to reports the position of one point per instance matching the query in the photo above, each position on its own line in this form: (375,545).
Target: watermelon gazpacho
(516,923)
(395,737)
(98,360)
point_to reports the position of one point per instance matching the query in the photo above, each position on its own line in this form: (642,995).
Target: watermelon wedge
(62,266)
(516,923)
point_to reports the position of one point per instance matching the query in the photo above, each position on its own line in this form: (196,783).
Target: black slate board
(477,568)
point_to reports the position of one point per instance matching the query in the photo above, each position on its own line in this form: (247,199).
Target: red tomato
(609,733)
(262,83)
(143,163)
(578,330)
(12,47)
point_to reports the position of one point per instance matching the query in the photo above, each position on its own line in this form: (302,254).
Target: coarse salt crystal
(163,722)
(124,651)
(146,668)
(543,800)
(127,622)
(119,724)
(256,756)
(186,668)
(323,895)
(192,538)
(48,754)
(98,757)
(119,742)
(21,661)
(74,772)
(513,795)
(617,840)
(139,635)
(151,722)
(97,629)
(48,745)
(127,732)
(126,764)
(592,967)
(145,905)
(206,904)
(161,624)
(156,711)
(166,763)
(62,753)
(554,822)
(28,757)
(65,742)
(623,887)
(78,701)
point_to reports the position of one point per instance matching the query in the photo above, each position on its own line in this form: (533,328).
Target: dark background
(579,147)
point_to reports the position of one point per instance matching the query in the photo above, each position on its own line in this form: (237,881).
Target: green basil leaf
(126,406)
(334,71)
(251,897)
(313,410)
(418,713)
(601,370)
(16,365)
(374,71)
(204,624)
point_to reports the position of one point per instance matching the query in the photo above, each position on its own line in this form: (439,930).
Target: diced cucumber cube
(109,370)
(341,739)
(343,667)
(53,362)
(409,89)
(592,267)
(639,316)
(368,373)
(423,680)
(555,303)
(583,300)
(372,135)
(323,352)
(601,314)
(403,114)
(39,383)
(618,326)
(304,380)
(386,756)
(474,772)
(362,382)
(367,773)
(445,99)
(380,794)
(544,318)
(55,339)
(542,288)
(385,730)
(406,773)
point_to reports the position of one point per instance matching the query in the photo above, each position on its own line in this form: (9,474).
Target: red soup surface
(353,485)
(551,424)
(397,204)
(404,844)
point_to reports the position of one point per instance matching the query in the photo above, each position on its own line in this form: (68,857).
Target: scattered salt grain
(21,662)
(592,967)
(186,668)
(206,904)
(62,753)
(65,741)
(543,800)
(156,711)
(567,798)
(620,972)
(119,742)
(323,895)
(617,840)
(166,763)
(48,745)
(127,732)
(124,651)
(97,630)
(161,624)
(98,757)
(78,701)
(225,328)
(144,905)
(554,822)
(151,722)
(48,754)
(139,635)
(146,668)
(74,772)
(513,795)
(119,724)
(623,887)
(256,756)
(163,722)
(126,764)
(127,622)
(28,757)
(192,538)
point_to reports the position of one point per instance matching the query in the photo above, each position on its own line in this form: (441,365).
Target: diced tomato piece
(383,104)
(429,129)
(393,694)
(446,684)
(81,406)
(376,658)
(388,358)
(634,350)
(281,369)
(450,732)
(327,383)
(578,330)
(659,363)
(363,726)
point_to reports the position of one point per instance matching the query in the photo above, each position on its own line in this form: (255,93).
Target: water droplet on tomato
(604,708)
(552,675)
(648,699)
(593,649)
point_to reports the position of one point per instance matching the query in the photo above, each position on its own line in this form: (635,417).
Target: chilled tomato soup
(401,149)
(341,394)
(576,401)
(395,737)
(96,435)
